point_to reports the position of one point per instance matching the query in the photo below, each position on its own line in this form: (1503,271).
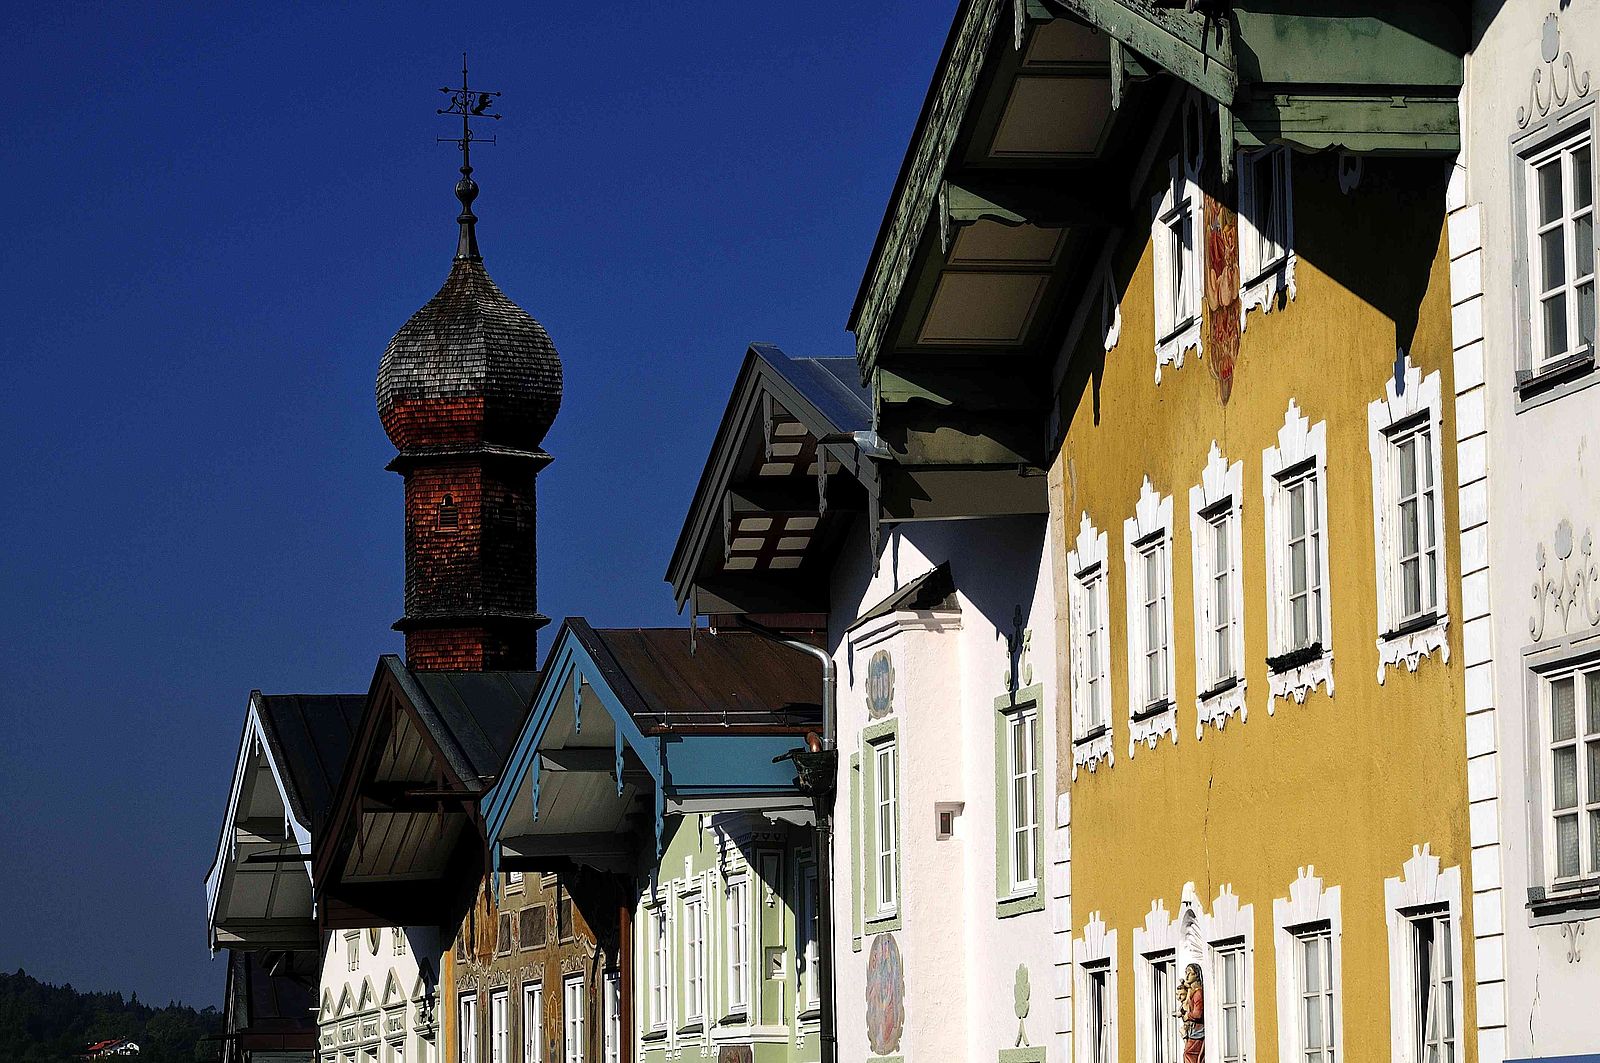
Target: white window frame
(1158,962)
(1178,314)
(885,760)
(1308,908)
(1229,928)
(1300,455)
(807,930)
(467,1028)
(1147,545)
(1411,409)
(1559,150)
(1089,604)
(1021,823)
(1094,957)
(500,1025)
(1423,891)
(611,1045)
(694,933)
(660,961)
(1218,499)
(573,1042)
(532,1022)
(1266,264)
(1584,810)
(738,945)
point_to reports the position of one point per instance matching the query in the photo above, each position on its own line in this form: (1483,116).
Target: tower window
(449,515)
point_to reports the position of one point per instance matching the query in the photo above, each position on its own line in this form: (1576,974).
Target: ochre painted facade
(1348,784)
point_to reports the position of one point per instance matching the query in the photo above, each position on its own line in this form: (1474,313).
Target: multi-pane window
(1094,651)
(572,1011)
(738,944)
(694,970)
(1221,621)
(1264,220)
(1022,797)
(532,1023)
(1163,1017)
(1303,557)
(810,933)
(1230,1002)
(1433,988)
(658,967)
(467,1028)
(1100,1009)
(886,821)
(1561,270)
(612,1048)
(1313,965)
(514,879)
(1152,567)
(1573,702)
(500,1026)
(1416,548)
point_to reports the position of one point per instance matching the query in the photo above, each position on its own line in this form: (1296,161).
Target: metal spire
(469,103)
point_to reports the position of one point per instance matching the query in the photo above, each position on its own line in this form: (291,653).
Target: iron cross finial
(468,103)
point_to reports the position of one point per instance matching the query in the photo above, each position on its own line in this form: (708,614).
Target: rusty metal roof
(730,680)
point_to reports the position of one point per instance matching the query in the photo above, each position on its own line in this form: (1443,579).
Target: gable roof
(827,413)
(309,735)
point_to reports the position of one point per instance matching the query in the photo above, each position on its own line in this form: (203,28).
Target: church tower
(466,391)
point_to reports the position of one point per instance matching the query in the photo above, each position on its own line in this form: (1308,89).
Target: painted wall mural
(880,685)
(886,996)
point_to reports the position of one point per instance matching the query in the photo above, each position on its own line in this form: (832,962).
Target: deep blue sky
(214,218)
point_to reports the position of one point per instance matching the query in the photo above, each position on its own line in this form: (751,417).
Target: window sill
(1559,904)
(735,1018)
(1413,640)
(658,1033)
(1535,386)
(1019,904)
(1152,710)
(1215,706)
(1288,662)
(879,924)
(1091,749)
(1291,676)
(1092,734)
(1151,722)
(697,1026)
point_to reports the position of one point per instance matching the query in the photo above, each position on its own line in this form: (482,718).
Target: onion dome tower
(466,391)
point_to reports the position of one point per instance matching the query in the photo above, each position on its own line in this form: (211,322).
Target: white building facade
(949,856)
(1522,247)
(379,993)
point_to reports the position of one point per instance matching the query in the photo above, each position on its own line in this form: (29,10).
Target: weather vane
(469,103)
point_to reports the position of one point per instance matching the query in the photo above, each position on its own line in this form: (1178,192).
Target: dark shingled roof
(310,736)
(732,679)
(482,711)
(470,342)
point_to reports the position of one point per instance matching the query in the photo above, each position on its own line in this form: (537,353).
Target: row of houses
(1173,635)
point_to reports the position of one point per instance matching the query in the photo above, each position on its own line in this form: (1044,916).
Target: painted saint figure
(1192,1014)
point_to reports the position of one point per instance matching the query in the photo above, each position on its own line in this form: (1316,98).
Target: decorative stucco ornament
(885,996)
(880,685)
(1577,583)
(1560,80)
(1023,993)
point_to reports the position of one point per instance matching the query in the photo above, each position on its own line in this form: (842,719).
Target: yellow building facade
(1260,602)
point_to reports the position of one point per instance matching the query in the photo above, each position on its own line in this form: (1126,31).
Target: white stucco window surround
(1094,987)
(1088,605)
(1299,621)
(1229,969)
(1217,560)
(1266,229)
(1110,311)
(1423,910)
(1147,560)
(1307,936)
(1177,230)
(1404,438)
(1162,950)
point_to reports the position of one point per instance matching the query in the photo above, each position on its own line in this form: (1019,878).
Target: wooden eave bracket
(1186,44)
(1048,203)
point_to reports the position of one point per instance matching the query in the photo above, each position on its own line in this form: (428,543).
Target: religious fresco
(1222,292)
(885,995)
(880,685)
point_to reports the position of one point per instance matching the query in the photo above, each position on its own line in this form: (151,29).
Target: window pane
(1566,846)
(1562,725)
(1555,325)
(1591,687)
(1586,313)
(1552,258)
(1593,772)
(1312,969)
(1582,177)
(1549,181)
(1583,245)
(1297,510)
(1594,842)
(1566,777)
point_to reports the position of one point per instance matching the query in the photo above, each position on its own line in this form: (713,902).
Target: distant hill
(43,1023)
